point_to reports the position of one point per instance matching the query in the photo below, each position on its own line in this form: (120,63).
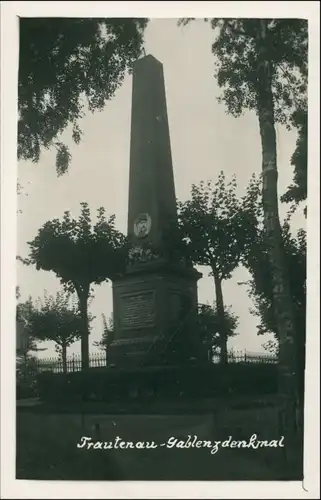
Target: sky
(204,141)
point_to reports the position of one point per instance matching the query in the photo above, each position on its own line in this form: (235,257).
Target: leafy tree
(80,253)
(297,192)
(217,226)
(261,290)
(24,313)
(262,66)
(58,320)
(272,346)
(208,322)
(26,376)
(261,284)
(107,335)
(66,63)
(27,345)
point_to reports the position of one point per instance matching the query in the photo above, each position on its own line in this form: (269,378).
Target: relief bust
(142,225)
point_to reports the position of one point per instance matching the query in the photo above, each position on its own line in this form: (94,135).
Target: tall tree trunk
(281,287)
(221,317)
(64,357)
(83,293)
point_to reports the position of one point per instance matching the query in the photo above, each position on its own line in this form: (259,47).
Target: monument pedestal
(155,308)
(155,301)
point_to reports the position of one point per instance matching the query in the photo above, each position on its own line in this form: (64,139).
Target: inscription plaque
(138,310)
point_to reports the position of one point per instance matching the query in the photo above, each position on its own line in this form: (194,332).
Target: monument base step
(135,352)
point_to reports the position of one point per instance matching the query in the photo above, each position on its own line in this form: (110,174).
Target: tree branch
(238,32)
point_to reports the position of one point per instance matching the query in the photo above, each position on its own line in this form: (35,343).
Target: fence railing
(247,357)
(73,363)
(99,360)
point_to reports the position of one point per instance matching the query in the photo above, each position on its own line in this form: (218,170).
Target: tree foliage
(208,321)
(26,380)
(24,314)
(237,58)
(26,360)
(66,65)
(237,61)
(260,286)
(80,253)
(107,335)
(261,65)
(260,289)
(298,191)
(56,318)
(272,346)
(217,226)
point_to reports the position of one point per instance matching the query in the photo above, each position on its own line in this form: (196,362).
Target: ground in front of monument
(52,446)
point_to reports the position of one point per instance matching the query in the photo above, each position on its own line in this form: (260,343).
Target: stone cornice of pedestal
(138,340)
(163,266)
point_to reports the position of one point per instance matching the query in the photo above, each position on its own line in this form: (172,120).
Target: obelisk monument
(155,301)
(151,180)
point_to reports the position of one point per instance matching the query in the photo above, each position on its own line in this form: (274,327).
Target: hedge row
(202,381)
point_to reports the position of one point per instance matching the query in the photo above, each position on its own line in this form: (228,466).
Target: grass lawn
(46,449)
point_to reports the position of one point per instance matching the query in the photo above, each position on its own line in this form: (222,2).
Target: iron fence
(73,363)
(99,360)
(247,357)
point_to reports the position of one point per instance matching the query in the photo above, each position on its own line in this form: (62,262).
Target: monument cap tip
(145,57)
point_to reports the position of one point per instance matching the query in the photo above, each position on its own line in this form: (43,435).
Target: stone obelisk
(155,301)
(151,180)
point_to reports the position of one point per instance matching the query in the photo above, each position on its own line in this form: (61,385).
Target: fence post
(245,358)
(73,361)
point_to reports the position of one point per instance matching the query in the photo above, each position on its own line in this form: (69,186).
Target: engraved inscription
(138,311)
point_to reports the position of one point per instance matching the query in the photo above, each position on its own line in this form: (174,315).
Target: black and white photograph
(162,214)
